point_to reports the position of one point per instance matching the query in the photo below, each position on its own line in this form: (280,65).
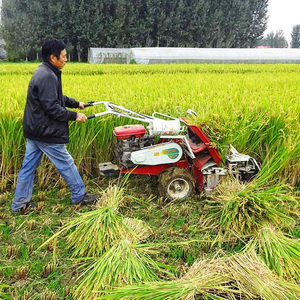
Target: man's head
(54,51)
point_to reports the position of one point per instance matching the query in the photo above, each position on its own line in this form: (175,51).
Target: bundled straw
(140,228)
(96,232)
(240,276)
(93,233)
(113,197)
(279,252)
(238,210)
(125,263)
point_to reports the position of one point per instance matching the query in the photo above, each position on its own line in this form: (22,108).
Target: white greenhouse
(213,55)
(109,55)
(192,55)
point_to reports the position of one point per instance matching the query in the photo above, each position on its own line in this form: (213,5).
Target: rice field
(238,104)
(241,243)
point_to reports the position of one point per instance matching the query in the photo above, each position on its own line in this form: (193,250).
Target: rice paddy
(241,243)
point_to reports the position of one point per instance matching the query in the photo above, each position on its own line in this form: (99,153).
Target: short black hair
(52,46)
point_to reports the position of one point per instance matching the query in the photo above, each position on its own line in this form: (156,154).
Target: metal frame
(127,113)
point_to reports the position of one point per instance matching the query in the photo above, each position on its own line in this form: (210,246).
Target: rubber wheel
(176,183)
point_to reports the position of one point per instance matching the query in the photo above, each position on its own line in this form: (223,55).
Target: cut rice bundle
(240,276)
(124,264)
(279,252)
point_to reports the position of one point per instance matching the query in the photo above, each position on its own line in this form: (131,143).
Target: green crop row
(105,69)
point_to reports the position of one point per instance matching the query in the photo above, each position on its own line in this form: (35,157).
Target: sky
(283,14)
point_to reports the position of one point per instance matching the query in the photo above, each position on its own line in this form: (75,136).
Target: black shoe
(26,208)
(88,200)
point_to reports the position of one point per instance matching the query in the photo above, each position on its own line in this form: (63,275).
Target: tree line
(130,23)
(278,40)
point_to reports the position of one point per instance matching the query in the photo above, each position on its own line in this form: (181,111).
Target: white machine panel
(157,155)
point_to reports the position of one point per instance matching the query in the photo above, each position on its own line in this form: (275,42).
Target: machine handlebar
(90,103)
(91,116)
(120,111)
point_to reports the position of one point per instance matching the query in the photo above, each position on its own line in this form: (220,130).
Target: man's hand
(81,118)
(81,105)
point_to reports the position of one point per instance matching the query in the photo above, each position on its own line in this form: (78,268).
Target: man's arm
(70,102)
(47,93)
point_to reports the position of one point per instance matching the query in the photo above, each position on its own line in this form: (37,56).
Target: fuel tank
(125,132)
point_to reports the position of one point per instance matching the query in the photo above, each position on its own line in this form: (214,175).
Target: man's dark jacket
(46,117)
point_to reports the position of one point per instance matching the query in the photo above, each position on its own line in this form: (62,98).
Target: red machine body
(199,143)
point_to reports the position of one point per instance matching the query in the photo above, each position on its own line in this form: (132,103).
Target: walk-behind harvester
(179,153)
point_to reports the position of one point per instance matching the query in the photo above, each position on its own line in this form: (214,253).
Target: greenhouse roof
(214,55)
(108,55)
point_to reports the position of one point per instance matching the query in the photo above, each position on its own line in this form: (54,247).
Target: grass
(52,267)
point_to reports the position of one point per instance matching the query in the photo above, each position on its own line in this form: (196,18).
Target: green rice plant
(3,295)
(280,252)
(123,264)
(11,144)
(240,276)
(250,106)
(237,210)
(275,161)
(291,170)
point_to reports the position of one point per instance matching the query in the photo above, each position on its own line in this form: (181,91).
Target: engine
(130,138)
(135,148)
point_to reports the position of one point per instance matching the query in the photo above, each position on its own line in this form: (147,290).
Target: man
(45,126)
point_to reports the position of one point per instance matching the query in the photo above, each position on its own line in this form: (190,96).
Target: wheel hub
(178,188)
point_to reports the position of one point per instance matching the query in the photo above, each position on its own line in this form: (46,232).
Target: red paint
(155,170)
(125,132)
(205,140)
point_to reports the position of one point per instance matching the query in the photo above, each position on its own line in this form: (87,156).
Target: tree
(18,28)
(295,43)
(274,40)
(259,9)
(130,23)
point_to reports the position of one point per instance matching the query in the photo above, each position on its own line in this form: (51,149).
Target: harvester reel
(176,183)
